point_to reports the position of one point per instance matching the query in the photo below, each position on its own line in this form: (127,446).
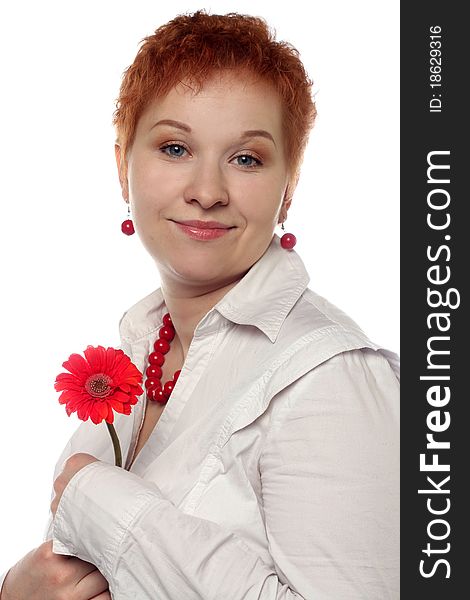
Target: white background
(68,273)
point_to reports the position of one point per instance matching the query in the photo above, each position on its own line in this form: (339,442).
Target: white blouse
(272,473)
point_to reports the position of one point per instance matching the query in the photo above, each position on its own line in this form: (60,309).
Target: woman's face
(214,156)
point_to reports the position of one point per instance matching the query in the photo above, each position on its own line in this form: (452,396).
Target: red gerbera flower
(104,381)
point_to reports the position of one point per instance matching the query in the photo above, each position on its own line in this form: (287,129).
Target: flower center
(99,385)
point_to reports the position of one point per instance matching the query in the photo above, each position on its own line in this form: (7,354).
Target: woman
(262,462)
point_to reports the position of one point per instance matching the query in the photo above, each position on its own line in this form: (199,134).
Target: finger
(54,505)
(81,568)
(59,485)
(103,596)
(91,585)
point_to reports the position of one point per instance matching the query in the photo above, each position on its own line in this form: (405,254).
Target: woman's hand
(71,467)
(43,575)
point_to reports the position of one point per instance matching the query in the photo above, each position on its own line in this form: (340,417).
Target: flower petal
(64,383)
(77,365)
(110,417)
(123,376)
(101,408)
(67,396)
(95,415)
(117,406)
(83,412)
(96,359)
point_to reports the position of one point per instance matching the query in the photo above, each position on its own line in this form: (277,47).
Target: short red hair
(192,47)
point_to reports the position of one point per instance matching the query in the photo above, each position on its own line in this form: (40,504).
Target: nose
(207,185)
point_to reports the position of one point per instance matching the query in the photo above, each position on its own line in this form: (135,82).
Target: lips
(205,224)
(203,231)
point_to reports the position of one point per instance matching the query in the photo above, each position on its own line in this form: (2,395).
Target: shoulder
(315,331)
(320,316)
(355,382)
(360,381)
(333,368)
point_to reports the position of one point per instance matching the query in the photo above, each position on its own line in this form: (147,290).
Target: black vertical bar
(435,560)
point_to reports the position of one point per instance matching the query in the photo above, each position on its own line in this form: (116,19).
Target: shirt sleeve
(329,486)
(330,481)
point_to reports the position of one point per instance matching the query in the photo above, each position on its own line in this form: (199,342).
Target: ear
(286,205)
(122,171)
(284,208)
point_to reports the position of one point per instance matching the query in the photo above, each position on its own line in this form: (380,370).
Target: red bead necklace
(153,384)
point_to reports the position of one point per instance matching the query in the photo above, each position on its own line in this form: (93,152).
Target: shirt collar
(262,298)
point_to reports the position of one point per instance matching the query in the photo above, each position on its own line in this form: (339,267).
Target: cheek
(150,189)
(260,203)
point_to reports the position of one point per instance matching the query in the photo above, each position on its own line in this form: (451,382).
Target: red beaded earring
(288,240)
(127,226)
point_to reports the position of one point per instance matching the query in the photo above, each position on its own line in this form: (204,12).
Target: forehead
(225,99)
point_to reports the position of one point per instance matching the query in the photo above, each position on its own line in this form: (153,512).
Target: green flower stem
(116,444)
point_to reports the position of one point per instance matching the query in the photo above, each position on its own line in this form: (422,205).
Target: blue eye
(257,162)
(179,148)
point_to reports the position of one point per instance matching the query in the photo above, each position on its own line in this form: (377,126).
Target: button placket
(197,360)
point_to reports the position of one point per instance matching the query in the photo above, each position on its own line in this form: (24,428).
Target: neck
(187,306)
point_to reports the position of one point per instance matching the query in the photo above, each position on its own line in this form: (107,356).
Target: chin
(200,269)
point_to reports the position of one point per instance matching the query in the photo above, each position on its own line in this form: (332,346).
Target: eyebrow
(246,134)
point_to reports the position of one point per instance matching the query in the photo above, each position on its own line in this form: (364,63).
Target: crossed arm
(329,480)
